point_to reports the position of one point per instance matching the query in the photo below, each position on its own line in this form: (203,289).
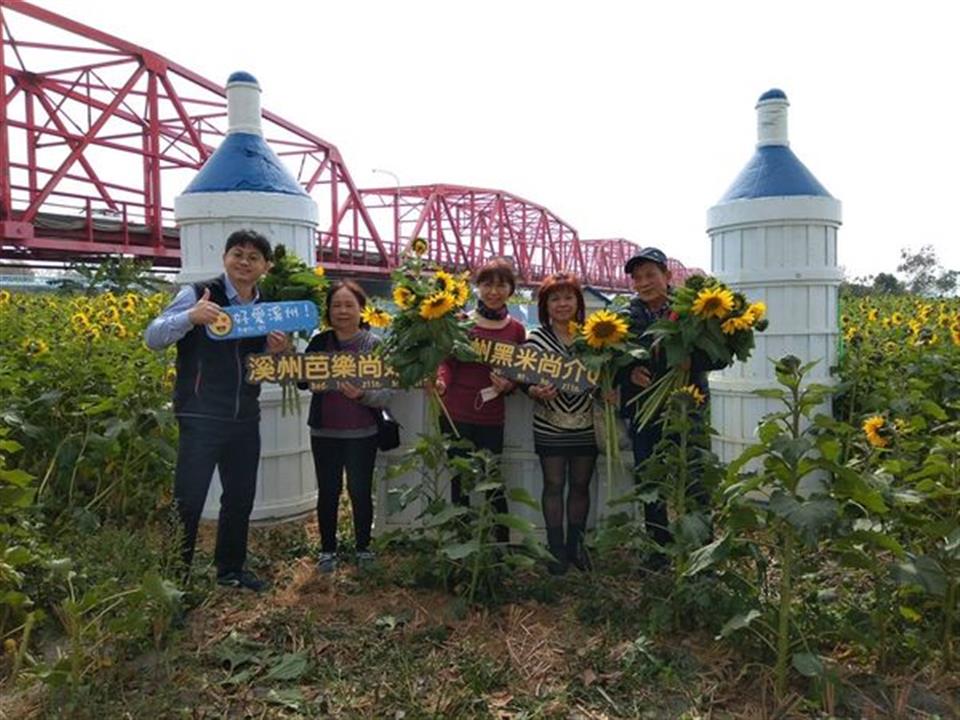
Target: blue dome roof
(774,171)
(241,76)
(773,94)
(244,163)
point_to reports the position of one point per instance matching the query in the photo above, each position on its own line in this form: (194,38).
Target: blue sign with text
(243,321)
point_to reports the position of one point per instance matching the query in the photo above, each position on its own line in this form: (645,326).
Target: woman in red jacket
(472,392)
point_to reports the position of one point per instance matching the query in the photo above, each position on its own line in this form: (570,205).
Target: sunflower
(461,293)
(118,329)
(872,315)
(733,324)
(436,306)
(109,314)
(170,376)
(693,392)
(713,302)
(128,305)
(403,297)
(79,320)
(446,283)
(319,271)
(4,297)
(91,332)
(955,336)
(34,347)
(896,319)
(375,317)
(419,246)
(603,329)
(872,427)
(573,327)
(756,310)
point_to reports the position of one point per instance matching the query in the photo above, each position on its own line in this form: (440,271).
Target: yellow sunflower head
(896,319)
(713,302)
(118,329)
(573,327)
(436,306)
(955,336)
(34,346)
(375,317)
(446,283)
(733,324)
(695,395)
(757,311)
(874,429)
(403,297)
(872,314)
(4,297)
(79,320)
(319,271)
(603,329)
(91,333)
(170,376)
(461,293)
(419,246)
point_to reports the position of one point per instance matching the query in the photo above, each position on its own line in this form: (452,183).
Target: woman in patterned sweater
(563,427)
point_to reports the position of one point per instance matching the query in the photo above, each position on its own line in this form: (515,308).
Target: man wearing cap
(651,280)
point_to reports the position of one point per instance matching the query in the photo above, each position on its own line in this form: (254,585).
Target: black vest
(210,373)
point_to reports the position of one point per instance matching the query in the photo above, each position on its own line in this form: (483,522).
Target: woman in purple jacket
(343,428)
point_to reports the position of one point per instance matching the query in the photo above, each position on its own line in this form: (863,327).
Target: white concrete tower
(244,185)
(774,237)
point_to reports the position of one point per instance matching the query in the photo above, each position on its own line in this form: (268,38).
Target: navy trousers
(234,449)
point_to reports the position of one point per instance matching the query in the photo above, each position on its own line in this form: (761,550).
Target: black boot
(576,552)
(557,566)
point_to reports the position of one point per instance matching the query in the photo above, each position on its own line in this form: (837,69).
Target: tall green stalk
(783,624)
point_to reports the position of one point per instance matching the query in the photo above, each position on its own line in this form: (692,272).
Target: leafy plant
(457,542)
(786,509)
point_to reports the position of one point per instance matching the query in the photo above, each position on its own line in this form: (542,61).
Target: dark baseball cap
(648,254)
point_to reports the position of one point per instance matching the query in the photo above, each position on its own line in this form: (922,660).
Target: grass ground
(364,644)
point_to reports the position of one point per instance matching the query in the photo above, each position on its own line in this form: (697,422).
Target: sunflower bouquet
(705,316)
(429,324)
(290,278)
(604,345)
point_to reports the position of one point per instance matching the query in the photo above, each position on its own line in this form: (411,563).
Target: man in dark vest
(218,413)
(651,278)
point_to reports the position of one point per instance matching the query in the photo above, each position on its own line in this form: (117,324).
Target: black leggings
(483,437)
(555,472)
(330,457)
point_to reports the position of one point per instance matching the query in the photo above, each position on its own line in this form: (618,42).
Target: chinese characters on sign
(532,365)
(323,371)
(243,321)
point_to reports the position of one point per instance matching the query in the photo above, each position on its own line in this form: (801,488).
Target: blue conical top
(244,162)
(774,170)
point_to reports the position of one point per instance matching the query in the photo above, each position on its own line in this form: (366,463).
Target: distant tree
(948,283)
(924,274)
(114,273)
(887,284)
(858,287)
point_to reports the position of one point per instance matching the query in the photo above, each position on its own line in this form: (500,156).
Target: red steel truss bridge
(98,135)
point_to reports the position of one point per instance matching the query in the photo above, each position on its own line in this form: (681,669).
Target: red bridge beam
(465,227)
(97,135)
(605,259)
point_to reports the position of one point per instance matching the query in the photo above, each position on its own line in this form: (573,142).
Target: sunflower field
(870,570)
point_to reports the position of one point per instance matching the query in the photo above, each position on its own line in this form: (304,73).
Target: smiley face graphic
(221,326)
